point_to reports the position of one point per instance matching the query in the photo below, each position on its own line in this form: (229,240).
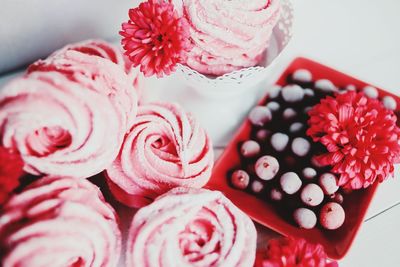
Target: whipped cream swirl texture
(165,148)
(228,35)
(191,227)
(58,222)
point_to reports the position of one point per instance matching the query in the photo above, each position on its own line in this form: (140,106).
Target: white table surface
(361,38)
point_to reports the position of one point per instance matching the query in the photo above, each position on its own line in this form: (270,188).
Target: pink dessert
(328,183)
(58,126)
(59,221)
(98,48)
(191,227)
(312,195)
(240,179)
(115,54)
(305,218)
(165,148)
(228,35)
(332,216)
(108,51)
(102,70)
(266,167)
(250,149)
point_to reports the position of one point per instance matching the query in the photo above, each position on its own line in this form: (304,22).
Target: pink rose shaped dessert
(58,126)
(191,227)
(59,221)
(108,51)
(228,35)
(97,48)
(165,148)
(105,74)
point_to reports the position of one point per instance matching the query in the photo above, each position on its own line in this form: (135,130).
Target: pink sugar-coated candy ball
(279,141)
(331,216)
(274,91)
(351,87)
(260,115)
(300,146)
(312,195)
(302,75)
(276,194)
(290,183)
(266,167)
(273,106)
(309,173)
(262,134)
(371,92)
(240,179)
(389,102)
(305,218)
(328,183)
(250,149)
(257,186)
(295,127)
(325,85)
(292,93)
(289,113)
(309,92)
(338,198)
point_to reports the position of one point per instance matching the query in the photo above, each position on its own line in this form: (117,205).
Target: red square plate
(337,242)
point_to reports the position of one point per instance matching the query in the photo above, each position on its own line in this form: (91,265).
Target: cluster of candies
(278,161)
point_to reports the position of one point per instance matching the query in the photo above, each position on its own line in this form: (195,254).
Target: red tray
(336,243)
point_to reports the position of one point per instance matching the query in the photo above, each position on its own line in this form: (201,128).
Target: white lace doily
(234,82)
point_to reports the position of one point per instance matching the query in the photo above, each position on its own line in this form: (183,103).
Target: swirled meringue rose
(59,222)
(97,48)
(228,35)
(165,148)
(191,227)
(59,126)
(104,74)
(111,52)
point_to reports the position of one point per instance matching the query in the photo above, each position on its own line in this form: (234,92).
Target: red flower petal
(290,252)
(360,135)
(155,37)
(11,166)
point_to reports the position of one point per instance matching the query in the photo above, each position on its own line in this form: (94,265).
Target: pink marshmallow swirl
(101,49)
(104,74)
(61,222)
(228,35)
(165,148)
(108,51)
(191,227)
(58,126)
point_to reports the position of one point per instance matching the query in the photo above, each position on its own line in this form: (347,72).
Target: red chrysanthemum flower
(11,166)
(156,37)
(290,252)
(360,135)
